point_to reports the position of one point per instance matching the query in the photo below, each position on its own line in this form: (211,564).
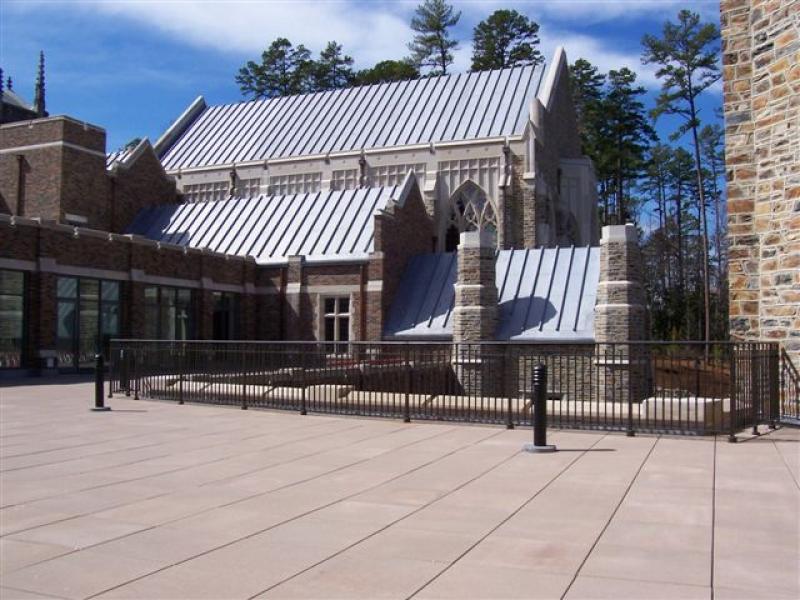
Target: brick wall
(400,233)
(761,73)
(57,166)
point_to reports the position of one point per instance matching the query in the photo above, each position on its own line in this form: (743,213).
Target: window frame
(336,346)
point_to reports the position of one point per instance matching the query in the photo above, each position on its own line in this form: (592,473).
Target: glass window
(336,322)
(88,316)
(168,313)
(12,318)
(226,308)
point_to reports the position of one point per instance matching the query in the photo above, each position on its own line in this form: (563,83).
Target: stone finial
(38,98)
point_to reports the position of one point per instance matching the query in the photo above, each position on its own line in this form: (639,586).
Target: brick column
(475,315)
(621,316)
(294,293)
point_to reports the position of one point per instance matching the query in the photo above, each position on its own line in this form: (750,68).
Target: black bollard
(539,412)
(99,404)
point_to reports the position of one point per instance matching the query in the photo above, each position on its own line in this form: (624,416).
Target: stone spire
(38,97)
(9,83)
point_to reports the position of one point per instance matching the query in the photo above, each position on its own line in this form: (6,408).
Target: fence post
(733,392)
(629,432)
(135,378)
(539,407)
(303,408)
(181,365)
(406,399)
(774,385)
(755,386)
(98,384)
(125,373)
(111,368)
(505,387)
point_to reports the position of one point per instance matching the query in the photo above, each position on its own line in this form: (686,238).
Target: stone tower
(761,71)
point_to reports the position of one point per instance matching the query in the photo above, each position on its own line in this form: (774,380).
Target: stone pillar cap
(620,233)
(476,239)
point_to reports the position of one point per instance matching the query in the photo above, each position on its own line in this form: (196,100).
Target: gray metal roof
(545,294)
(117,156)
(320,226)
(431,109)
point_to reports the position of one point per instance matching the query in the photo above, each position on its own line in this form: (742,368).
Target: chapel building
(334,216)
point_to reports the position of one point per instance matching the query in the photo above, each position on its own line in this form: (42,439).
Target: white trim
(49,265)
(411,149)
(179,125)
(58,144)
(17,264)
(75,219)
(375,285)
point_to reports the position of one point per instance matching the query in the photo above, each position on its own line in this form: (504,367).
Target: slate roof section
(544,295)
(332,225)
(455,107)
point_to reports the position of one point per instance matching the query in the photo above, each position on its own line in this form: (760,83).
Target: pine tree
(333,70)
(505,39)
(686,55)
(432,45)
(387,71)
(626,128)
(284,70)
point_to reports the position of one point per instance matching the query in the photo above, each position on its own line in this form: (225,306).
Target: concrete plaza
(156,500)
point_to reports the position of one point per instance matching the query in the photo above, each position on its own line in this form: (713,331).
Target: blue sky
(132,66)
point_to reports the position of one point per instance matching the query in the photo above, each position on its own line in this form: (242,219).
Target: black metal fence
(790,391)
(637,386)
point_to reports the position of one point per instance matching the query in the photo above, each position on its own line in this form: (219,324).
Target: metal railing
(790,391)
(684,387)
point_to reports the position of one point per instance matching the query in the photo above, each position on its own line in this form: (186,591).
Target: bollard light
(539,407)
(99,400)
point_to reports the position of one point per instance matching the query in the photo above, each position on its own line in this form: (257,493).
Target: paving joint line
(610,518)
(514,454)
(225,505)
(112,507)
(785,464)
(306,513)
(508,518)
(169,471)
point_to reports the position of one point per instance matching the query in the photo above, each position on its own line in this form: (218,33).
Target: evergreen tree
(284,70)
(626,129)
(505,39)
(333,70)
(387,71)
(587,94)
(686,56)
(432,45)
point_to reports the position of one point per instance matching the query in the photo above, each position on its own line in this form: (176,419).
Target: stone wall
(761,73)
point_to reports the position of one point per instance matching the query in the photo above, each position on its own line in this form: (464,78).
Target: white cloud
(588,12)
(247,27)
(597,52)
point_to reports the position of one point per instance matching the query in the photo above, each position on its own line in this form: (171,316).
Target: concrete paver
(155,500)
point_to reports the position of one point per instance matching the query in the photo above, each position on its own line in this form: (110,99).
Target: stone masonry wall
(761,73)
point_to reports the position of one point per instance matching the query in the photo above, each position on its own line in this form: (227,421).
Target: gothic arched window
(470,210)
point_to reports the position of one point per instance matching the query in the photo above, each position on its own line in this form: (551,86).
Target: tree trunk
(704,227)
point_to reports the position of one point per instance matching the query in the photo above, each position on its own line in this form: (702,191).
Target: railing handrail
(748,343)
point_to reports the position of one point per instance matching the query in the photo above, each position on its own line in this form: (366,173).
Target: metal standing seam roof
(320,226)
(544,294)
(117,156)
(430,109)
